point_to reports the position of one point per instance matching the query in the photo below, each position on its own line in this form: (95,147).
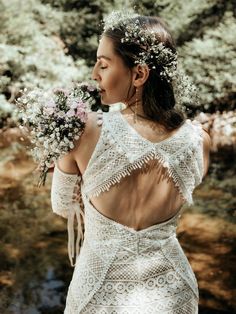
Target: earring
(136,106)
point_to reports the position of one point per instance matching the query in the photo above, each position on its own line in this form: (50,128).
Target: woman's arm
(206,151)
(76,160)
(67,164)
(65,184)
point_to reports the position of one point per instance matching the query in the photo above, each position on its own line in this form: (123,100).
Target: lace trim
(138,164)
(65,203)
(126,163)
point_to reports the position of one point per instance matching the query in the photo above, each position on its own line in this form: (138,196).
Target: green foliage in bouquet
(54,120)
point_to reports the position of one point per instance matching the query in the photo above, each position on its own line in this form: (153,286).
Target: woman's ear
(140,75)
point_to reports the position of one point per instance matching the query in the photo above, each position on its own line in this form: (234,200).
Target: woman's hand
(51,168)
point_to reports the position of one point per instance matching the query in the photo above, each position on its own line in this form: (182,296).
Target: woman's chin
(105,101)
(108,101)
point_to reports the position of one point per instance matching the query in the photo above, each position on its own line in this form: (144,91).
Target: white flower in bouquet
(54,119)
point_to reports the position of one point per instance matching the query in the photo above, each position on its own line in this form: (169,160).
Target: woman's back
(148,194)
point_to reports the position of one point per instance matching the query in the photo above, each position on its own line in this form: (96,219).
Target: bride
(134,169)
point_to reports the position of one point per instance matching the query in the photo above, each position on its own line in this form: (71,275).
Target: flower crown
(154,53)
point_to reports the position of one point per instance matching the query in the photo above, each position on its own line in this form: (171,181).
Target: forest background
(51,43)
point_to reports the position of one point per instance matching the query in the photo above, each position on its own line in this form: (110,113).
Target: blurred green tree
(32,53)
(81,25)
(204,31)
(53,42)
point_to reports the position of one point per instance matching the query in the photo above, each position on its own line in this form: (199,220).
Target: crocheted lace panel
(64,203)
(120,270)
(120,150)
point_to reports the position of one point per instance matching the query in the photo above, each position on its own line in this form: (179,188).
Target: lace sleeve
(65,203)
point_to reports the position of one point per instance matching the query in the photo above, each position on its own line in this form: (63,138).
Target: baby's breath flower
(52,129)
(154,54)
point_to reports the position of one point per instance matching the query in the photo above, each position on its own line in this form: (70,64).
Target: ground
(35,271)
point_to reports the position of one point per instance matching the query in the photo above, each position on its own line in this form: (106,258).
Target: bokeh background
(51,43)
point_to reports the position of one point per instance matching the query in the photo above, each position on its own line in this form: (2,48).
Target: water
(41,295)
(35,270)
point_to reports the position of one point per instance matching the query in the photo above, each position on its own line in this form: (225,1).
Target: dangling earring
(136,106)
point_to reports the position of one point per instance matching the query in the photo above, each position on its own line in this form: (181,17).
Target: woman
(135,169)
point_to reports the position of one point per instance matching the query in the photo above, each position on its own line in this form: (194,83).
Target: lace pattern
(63,199)
(120,150)
(120,270)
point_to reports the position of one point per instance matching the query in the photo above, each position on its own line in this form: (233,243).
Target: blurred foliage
(51,43)
(211,62)
(204,31)
(81,25)
(31,51)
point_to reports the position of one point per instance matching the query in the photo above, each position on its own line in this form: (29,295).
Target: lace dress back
(121,269)
(149,187)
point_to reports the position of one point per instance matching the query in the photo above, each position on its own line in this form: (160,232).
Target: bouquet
(54,119)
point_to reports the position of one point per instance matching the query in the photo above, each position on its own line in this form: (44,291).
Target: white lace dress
(120,270)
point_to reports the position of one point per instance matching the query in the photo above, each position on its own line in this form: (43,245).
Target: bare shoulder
(90,127)
(205,135)
(76,160)
(206,150)
(85,146)
(206,140)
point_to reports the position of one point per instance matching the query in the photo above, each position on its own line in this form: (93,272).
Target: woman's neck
(135,109)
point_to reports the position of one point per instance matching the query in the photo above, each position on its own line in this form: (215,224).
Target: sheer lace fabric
(119,269)
(64,203)
(121,149)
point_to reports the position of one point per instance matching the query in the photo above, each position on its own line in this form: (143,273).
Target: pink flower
(48,110)
(91,88)
(82,115)
(70,113)
(79,111)
(51,104)
(74,105)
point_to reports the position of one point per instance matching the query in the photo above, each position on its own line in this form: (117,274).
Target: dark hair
(159,101)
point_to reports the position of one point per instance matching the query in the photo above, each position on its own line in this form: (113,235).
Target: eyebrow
(104,57)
